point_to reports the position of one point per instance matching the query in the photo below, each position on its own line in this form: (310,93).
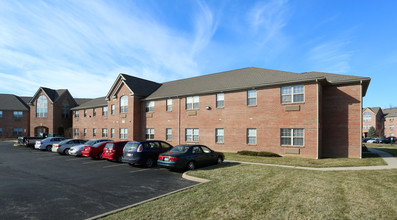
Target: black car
(387,140)
(144,152)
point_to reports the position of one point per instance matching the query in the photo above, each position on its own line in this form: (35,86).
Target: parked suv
(46,144)
(144,152)
(114,150)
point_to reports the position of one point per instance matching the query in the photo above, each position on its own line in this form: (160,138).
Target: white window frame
(367,116)
(104,132)
(77,114)
(290,91)
(168,134)
(112,130)
(220,100)
(42,107)
(252,135)
(105,111)
(252,97)
(219,135)
(192,135)
(85,113)
(94,132)
(112,109)
(124,104)
(76,132)
(291,136)
(123,133)
(391,127)
(85,132)
(94,112)
(149,133)
(149,106)
(192,102)
(169,105)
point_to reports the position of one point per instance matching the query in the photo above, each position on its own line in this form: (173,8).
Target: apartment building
(390,122)
(373,117)
(14,116)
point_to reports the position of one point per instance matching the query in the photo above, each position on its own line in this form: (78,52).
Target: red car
(114,150)
(94,151)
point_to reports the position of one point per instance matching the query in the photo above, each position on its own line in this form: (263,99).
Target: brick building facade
(14,116)
(373,117)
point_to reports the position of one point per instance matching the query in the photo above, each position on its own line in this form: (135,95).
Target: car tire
(66,151)
(119,159)
(190,165)
(99,156)
(219,160)
(149,162)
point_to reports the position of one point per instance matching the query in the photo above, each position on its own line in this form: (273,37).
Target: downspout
(179,120)
(318,120)
(361,118)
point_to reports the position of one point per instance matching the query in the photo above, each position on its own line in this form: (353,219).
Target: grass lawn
(241,191)
(392,149)
(369,159)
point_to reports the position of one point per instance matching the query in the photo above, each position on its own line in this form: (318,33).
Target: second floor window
(76,113)
(192,102)
(220,100)
(292,94)
(41,107)
(367,116)
(112,109)
(94,112)
(85,112)
(105,111)
(18,114)
(85,132)
(124,104)
(150,106)
(169,105)
(251,99)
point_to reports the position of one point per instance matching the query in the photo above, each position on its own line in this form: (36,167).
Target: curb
(193,178)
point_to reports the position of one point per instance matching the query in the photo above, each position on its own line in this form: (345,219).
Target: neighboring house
(373,117)
(390,122)
(14,116)
(309,114)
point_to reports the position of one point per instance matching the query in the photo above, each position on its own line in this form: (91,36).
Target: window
(76,132)
(149,133)
(219,133)
(391,127)
(251,98)
(94,132)
(41,108)
(65,109)
(123,133)
(18,114)
(192,102)
(292,136)
(105,111)
(112,133)
(112,109)
(94,111)
(76,114)
(367,127)
(1,114)
(367,116)
(104,132)
(17,131)
(251,136)
(169,105)
(85,132)
(292,94)
(192,134)
(150,106)
(391,118)
(124,104)
(1,131)
(220,100)
(168,135)
(85,112)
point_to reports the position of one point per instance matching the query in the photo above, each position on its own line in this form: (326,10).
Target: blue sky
(83,45)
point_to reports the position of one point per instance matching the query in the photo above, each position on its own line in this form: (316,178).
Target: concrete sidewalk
(388,158)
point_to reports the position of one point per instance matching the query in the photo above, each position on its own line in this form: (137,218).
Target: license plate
(166,159)
(129,155)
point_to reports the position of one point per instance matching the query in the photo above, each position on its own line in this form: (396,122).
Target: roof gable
(11,102)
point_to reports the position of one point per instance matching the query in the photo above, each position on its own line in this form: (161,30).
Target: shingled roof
(93,103)
(247,78)
(390,112)
(12,103)
(52,94)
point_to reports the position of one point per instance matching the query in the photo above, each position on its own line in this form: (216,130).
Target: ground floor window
(85,132)
(123,133)
(17,131)
(192,134)
(251,136)
(112,133)
(219,134)
(76,132)
(292,136)
(104,132)
(149,133)
(94,132)
(168,135)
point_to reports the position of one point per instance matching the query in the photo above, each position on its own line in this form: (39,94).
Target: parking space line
(135,171)
(115,165)
(95,161)
(46,158)
(73,159)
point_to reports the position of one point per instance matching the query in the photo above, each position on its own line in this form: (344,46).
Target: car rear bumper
(136,161)
(171,164)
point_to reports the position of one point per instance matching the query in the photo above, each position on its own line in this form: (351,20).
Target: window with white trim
(112,132)
(85,132)
(123,133)
(251,136)
(85,112)
(367,116)
(18,114)
(104,132)
(192,134)
(41,108)
(94,132)
(192,102)
(220,100)
(105,111)
(149,132)
(124,104)
(292,94)
(169,105)
(76,113)
(150,106)
(251,98)
(292,136)
(168,134)
(219,135)
(94,112)
(112,109)
(76,132)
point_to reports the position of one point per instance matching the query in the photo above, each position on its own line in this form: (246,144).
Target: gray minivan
(144,152)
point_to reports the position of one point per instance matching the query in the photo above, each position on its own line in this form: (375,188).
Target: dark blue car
(189,157)
(144,152)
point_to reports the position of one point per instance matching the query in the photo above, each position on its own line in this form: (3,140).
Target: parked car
(114,150)
(144,152)
(373,140)
(76,150)
(31,141)
(387,140)
(63,147)
(46,144)
(94,151)
(366,139)
(189,157)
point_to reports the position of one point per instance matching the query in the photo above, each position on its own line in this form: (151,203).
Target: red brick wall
(8,123)
(268,117)
(45,122)
(341,129)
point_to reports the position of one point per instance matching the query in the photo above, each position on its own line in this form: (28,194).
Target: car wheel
(191,165)
(149,162)
(99,156)
(220,160)
(119,159)
(48,148)
(66,151)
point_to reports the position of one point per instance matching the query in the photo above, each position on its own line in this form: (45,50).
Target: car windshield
(90,143)
(97,144)
(64,142)
(180,149)
(131,146)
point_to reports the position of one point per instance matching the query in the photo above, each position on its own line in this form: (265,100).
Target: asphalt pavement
(44,185)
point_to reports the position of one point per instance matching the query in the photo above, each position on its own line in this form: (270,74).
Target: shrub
(259,154)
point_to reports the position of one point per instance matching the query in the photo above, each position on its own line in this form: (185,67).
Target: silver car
(47,143)
(76,150)
(64,146)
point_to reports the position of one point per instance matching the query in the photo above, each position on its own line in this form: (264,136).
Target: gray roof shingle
(10,102)
(390,112)
(140,86)
(93,103)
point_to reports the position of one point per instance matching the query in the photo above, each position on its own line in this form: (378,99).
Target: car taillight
(161,157)
(140,148)
(173,159)
(57,145)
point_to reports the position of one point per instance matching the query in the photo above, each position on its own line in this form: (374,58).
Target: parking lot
(44,185)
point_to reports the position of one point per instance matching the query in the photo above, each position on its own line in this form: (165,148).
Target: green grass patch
(258,153)
(391,149)
(241,191)
(367,160)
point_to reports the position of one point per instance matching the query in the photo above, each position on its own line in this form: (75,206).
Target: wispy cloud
(82,45)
